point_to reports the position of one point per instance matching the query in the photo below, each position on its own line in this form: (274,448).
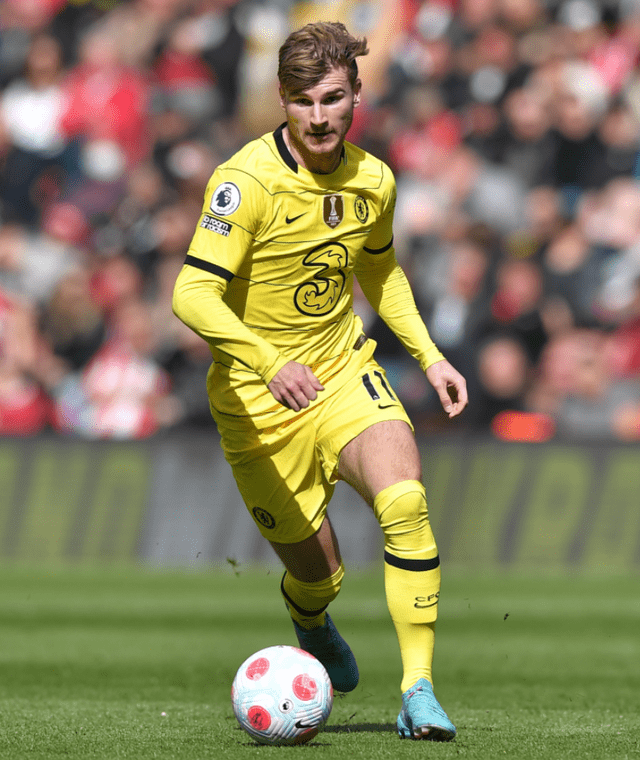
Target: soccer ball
(282,695)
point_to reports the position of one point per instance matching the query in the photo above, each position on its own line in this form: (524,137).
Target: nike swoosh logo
(290,219)
(300,724)
(385,406)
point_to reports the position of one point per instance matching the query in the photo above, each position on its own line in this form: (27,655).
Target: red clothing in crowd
(109,104)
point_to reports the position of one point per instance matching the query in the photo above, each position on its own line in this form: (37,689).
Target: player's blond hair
(309,53)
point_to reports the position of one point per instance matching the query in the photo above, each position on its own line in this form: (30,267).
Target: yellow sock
(307,602)
(412,575)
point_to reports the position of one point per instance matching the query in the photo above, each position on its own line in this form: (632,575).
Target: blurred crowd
(513,128)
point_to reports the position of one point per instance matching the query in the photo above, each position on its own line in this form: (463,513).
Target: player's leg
(286,492)
(312,580)
(313,575)
(383,464)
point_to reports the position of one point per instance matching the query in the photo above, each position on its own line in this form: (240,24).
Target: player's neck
(325,163)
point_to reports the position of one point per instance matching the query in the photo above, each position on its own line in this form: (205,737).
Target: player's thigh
(280,479)
(380,456)
(366,437)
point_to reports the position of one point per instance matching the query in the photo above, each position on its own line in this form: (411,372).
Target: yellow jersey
(269,273)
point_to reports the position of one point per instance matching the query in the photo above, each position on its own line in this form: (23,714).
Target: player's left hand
(450,386)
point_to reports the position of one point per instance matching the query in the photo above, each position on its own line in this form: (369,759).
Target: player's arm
(197,301)
(387,289)
(389,293)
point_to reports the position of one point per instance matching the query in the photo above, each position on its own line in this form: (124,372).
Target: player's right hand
(295,385)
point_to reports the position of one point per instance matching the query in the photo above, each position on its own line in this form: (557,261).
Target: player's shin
(412,575)
(307,602)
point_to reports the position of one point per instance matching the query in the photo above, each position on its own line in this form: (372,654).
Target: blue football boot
(422,717)
(328,646)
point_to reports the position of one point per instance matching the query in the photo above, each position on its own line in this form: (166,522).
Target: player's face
(319,118)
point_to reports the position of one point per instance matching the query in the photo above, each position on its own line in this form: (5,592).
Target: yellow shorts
(287,476)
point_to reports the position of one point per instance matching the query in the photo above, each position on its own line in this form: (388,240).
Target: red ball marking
(259,718)
(304,687)
(257,668)
(306,736)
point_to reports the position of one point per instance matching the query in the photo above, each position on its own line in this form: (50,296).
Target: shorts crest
(264,518)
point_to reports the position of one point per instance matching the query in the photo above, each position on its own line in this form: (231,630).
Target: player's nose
(317,114)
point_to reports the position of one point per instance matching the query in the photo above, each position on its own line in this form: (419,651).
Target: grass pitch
(135,663)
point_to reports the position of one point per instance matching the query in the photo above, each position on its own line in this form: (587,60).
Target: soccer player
(298,398)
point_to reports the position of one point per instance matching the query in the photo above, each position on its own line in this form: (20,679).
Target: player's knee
(402,507)
(402,513)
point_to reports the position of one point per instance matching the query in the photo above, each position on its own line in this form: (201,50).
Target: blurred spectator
(571,274)
(24,406)
(453,282)
(624,341)
(515,306)
(578,387)
(71,321)
(620,135)
(122,392)
(115,280)
(597,401)
(428,134)
(501,378)
(580,104)
(107,106)
(528,148)
(221,40)
(131,227)
(32,263)
(39,159)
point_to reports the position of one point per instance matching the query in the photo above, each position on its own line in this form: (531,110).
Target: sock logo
(422,602)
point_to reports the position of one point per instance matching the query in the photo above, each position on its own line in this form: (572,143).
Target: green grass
(134,663)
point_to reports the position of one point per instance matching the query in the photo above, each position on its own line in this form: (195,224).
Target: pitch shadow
(354,728)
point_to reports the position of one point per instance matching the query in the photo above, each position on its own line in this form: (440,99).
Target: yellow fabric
(401,510)
(412,595)
(417,643)
(286,474)
(284,245)
(389,293)
(311,597)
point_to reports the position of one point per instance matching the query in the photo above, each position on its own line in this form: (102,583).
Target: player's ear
(283,97)
(357,92)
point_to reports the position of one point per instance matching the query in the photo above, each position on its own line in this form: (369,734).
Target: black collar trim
(285,155)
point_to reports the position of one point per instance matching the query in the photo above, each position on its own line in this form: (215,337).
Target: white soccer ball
(282,695)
